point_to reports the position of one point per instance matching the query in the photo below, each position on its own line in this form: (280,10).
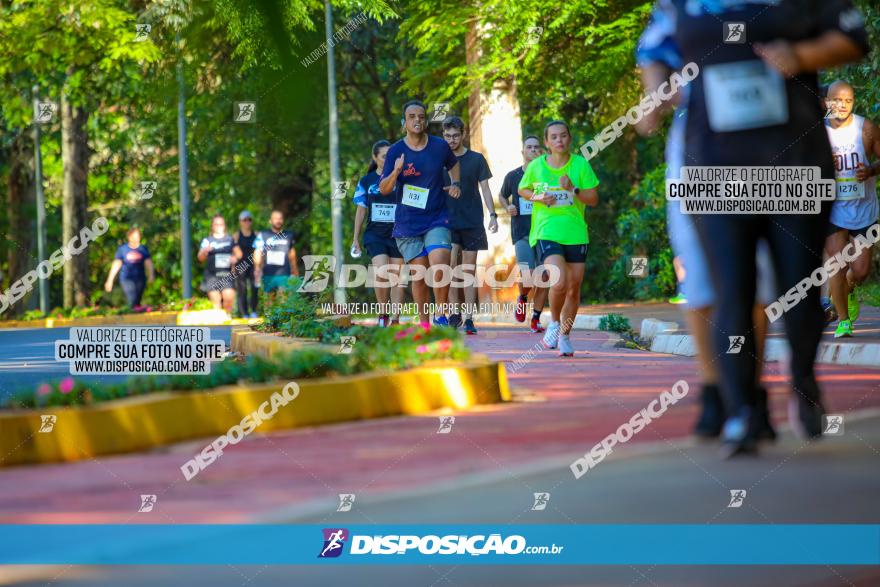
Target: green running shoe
(844,328)
(678,299)
(852,305)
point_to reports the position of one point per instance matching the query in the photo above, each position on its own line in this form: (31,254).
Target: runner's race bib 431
(744,95)
(414,196)
(849,188)
(382,212)
(221,260)
(275,258)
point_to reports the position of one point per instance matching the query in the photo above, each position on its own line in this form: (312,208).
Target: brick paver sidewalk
(564,407)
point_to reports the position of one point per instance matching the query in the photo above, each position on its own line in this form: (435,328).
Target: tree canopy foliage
(572,60)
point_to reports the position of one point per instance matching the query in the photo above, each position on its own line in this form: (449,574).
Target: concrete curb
(777,349)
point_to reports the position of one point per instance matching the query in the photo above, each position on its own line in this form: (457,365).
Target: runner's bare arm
(653,75)
(114,269)
(203,253)
(589,197)
(871,140)
(490,204)
(359,216)
(546,199)
(454,174)
(826,51)
(151,270)
(387,184)
(291,255)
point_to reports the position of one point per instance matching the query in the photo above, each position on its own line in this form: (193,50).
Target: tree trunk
(20,214)
(495,130)
(75,159)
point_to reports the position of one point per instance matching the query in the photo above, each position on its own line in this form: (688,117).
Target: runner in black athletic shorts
(216,252)
(243,271)
(381,246)
(560,186)
(466,216)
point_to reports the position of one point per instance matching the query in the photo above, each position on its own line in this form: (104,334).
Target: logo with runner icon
(734,32)
(446,423)
(142,32)
(47,423)
(737,496)
(541,501)
(148,190)
(334,541)
(147,503)
(340,190)
(46,112)
(346,344)
(534,35)
(245,112)
(832,424)
(441,111)
(319,268)
(736,344)
(346,500)
(638,267)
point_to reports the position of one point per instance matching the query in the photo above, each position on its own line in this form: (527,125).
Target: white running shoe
(552,335)
(565,348)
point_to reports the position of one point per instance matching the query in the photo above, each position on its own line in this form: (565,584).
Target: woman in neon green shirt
(560,185)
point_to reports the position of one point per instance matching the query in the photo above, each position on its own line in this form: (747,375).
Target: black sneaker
(805,410)
(711,414)
(455,320)
(764,427)
(469,327)
(738,435)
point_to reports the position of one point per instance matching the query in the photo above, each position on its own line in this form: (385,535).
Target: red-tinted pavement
(564,407)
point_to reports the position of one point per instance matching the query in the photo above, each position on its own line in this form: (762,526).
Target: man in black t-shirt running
(466,217)
(520,211)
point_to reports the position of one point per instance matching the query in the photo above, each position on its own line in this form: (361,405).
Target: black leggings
(796,242)
(246,286)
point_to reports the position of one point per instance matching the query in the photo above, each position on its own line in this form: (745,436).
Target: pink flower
(426,325)
(44,389)
(444,345)
(422,349)
(66,385)
(402,334)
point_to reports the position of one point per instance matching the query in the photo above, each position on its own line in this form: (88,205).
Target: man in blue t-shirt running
(421,221)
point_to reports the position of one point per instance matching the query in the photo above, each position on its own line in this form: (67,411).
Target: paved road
(486,471)
(27,358)
(835,481)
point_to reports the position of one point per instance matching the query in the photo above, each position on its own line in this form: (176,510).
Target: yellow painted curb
(193,318)
(145,422)
(250,342)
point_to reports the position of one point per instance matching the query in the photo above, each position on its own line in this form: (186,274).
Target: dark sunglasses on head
(246,219)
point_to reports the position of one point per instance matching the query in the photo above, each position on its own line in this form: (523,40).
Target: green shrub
(641,230)
(614,323)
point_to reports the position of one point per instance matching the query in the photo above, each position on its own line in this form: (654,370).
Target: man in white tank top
(854,142)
